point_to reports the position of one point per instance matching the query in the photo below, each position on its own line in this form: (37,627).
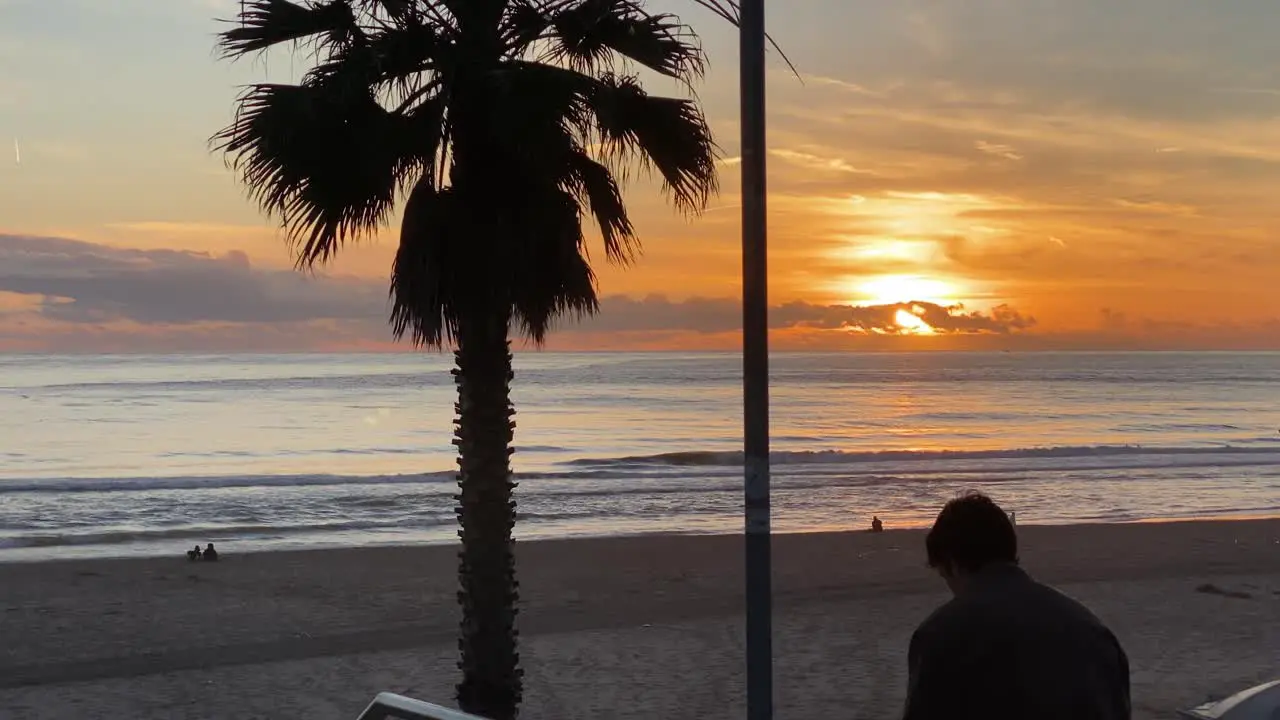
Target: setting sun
(912,324)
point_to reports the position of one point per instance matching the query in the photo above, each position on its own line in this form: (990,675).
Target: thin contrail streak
(17,152)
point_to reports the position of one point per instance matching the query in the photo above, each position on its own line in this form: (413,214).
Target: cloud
(998,149)
(63,295)
(1083,93)
(718,315)
(882,319)
(73,282)
(1088,54)
(1002,319)
(811,161)
(1156,206)
(822,80)
(82,282)
(196,228)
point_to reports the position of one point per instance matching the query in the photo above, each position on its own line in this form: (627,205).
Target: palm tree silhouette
(503,125)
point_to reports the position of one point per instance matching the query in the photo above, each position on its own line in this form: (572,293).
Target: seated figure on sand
(876,525)
(1006,646)
(210,554)
(194,555)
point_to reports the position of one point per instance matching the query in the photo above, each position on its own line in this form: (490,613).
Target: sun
(911,324)
(890,289)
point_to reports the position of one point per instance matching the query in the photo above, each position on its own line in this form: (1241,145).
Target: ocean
(149,455)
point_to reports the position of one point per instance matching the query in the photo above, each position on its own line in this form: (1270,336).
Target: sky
(944,174)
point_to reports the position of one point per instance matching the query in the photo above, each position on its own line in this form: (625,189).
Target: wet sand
(621,628)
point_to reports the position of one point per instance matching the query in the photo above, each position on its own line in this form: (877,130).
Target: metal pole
(755,364)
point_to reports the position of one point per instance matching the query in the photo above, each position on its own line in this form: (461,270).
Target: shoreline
(7,553)
(1193,602)
(1220,524)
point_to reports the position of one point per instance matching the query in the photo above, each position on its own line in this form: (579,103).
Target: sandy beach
(625,628)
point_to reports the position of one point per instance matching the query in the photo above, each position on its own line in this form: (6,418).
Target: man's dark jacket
(1007,647)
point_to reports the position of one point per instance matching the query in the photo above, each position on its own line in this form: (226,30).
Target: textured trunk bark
(491,678)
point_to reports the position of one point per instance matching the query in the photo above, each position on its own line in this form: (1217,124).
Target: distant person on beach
(1006,646)
(194,555)
(210,555)
(876,525)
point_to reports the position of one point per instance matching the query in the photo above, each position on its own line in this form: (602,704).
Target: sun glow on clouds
(891,247)
(889,289)
(907,214)
(877,250)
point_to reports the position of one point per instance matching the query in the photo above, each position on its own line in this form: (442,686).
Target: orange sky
(1076,174)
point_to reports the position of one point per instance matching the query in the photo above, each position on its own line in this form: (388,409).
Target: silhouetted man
(876,525)
(1005,646)
(210,555)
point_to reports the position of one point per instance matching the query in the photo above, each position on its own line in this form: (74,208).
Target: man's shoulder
(1020,596)
(1064,604)
(946,618)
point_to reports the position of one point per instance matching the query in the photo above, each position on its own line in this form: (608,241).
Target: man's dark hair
(971,531)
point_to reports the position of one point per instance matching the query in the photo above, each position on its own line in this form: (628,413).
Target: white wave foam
(214,533)
(886,466)
(56,485)
(816,457)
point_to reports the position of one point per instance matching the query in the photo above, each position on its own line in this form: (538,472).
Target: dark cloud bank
(97,298)
(82,283)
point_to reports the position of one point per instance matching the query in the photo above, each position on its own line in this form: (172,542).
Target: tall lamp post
(755,364)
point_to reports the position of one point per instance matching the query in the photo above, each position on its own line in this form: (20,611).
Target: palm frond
(589,34)
(328,162)
(598,191)
(480,16)
(395,10)
(265,23)
(553,112)
(669,135)
(524,24)
(731,11)
(549,124)
(403,56)
(443,271)
(549,276)
(425,299)
(547,94)
(411,49)
(426,135)
(727,9)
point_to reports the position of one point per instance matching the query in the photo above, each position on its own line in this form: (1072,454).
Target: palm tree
(502,124)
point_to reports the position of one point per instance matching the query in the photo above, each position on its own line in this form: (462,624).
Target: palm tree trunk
(491,677)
